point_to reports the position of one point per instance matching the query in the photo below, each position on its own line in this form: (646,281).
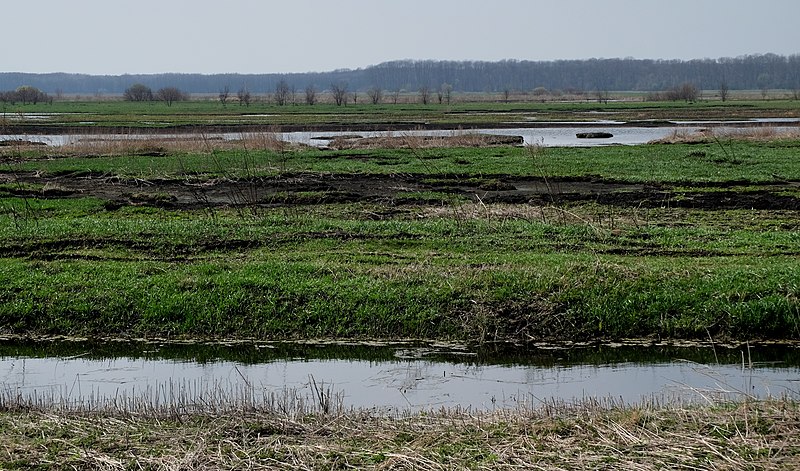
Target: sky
(113,37)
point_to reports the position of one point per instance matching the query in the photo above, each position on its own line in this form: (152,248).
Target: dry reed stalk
(419,141)
(754,134)
(594,434)
(132,144)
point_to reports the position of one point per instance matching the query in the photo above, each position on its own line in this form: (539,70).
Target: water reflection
(394,377)
(551,136)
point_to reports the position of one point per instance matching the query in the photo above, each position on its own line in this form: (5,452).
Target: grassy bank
(749,435)
(332,273)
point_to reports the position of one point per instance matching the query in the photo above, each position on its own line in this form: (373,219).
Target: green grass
(327,272)
(105,113)
(418,264)
(663,163)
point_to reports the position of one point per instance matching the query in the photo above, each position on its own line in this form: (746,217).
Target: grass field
(115,113)
(488,244)
(257,239)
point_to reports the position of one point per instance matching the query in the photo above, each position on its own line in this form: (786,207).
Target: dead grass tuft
(149,145)
(416,141)
(710,135)
(587,435)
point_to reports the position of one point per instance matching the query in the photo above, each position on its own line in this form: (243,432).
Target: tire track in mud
(398,189)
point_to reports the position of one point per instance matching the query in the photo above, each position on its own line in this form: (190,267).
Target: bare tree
(764,80)
(244,96)
(8,97)
(603,96)
(339,91)
(311,95)
(138,92)
(686,91)
(396,95)
(169,95)
(281,93)
(541,94)
(446,91)
(28,94)
(224,94)
(375,95)
(723,90)
(506,94)
(424,94)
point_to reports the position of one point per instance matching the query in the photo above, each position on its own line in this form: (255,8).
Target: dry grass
(416,141)
(591,435)
(710,135)
(132,144)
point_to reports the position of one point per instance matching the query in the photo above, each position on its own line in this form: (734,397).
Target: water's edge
(402,376)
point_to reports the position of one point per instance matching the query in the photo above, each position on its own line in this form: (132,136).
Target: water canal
(392,377)
(562,134)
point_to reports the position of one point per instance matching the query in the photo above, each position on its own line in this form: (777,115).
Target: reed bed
(711,135)
(588,435)
(184,397)
(153,145)
(417,141)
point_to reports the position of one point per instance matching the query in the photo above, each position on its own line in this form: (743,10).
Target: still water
(560,135)
(399,376)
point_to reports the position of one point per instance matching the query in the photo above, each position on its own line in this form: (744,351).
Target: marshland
(153,229)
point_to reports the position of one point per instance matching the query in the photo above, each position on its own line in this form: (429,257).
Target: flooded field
(563,134)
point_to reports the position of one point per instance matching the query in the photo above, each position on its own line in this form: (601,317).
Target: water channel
(563,134)
(394,377)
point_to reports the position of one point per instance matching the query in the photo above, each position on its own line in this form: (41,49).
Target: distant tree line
(25,94)
(751,72)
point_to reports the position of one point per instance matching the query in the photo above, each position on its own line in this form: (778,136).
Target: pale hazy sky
(250,36)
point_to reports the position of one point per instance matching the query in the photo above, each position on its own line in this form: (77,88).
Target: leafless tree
(339,91)
(686,91)
(244,96)
(396,95)
(281,93)
(224,94)
(138,92)
(603,96)
(723,90)
(764,81)
(506,94)
(8,97)
(375,95)
(424,94)
(311,95)
(447,92)
(169,95)
(26,94)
